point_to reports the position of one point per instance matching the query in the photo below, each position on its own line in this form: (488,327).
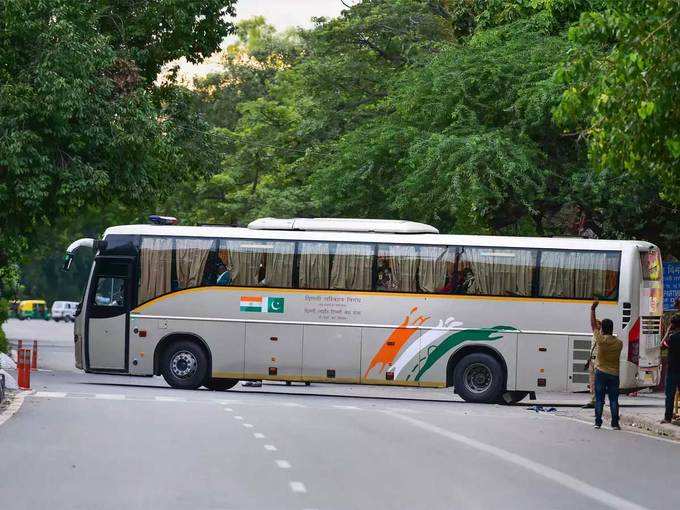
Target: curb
(649,425)
(16,399)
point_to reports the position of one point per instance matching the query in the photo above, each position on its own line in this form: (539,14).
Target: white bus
(366,302)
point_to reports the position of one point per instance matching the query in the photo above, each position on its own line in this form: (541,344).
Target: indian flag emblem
(262,304)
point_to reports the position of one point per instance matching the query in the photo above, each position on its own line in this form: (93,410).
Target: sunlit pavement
(95,441)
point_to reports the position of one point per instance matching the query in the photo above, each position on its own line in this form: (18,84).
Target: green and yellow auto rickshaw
(32,309)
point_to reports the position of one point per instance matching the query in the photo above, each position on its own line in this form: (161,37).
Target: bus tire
(479,378)
(215,384)
(184,365)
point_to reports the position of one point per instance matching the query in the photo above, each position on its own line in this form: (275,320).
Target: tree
(623,90)
(81,119)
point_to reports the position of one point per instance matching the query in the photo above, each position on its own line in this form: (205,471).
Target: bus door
(108,314)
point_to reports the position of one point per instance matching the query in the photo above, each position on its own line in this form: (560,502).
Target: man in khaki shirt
(608,348)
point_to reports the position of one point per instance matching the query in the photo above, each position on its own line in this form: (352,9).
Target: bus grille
(650,325)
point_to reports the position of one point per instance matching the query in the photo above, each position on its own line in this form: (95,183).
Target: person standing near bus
(608,348)
(672,342)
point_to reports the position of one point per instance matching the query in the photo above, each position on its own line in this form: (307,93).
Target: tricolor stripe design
(251,303)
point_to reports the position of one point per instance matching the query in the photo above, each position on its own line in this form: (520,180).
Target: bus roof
(567,243)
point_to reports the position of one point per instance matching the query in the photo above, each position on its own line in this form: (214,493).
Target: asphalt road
(111,442)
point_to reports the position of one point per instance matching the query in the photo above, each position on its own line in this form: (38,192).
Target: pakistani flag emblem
(275,304)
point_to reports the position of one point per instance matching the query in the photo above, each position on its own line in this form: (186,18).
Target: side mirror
(68,259)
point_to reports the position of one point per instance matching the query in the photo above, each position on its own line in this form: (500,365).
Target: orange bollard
(34,356)
(20,345)
(24,369)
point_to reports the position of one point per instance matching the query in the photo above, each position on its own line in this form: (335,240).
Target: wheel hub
(477,378)
(183,364)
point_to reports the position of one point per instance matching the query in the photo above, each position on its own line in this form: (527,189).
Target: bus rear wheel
(216,384)
(184,365)
(478,377)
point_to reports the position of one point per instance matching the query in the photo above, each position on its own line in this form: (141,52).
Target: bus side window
(314,265)
(495,271)
(352,267)
(579,274)
(397,267)
(253,263)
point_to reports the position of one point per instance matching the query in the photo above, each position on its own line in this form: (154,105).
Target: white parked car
(64,310)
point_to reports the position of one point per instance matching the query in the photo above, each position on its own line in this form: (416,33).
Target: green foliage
(81,120)
(622,89)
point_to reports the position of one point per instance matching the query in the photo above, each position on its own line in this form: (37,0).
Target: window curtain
(279,265)
(314,265)
(191,256)
(432,269)
(590,275)
(155,262)
(576,274)
(352,267)
(499,272)
(403,262)
(244,260)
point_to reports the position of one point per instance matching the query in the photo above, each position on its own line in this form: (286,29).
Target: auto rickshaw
(32,309)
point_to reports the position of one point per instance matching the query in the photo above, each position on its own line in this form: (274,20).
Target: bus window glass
(278,264)
(252,263)
(579,274)
(191,256)
(315,266)
(110,291)
(352,266)
(435,269)
(495,271)
(155,264)
(396,268)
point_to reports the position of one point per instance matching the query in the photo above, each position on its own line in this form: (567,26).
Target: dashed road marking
(169,399)
(248,425)
(50,394)
(229,409)
(354,408)
(109,396)
(270,447)
(292,404)
(238,417)
(283,464)
(298,487)
(258,435)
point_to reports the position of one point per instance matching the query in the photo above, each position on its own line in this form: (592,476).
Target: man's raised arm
(593,316)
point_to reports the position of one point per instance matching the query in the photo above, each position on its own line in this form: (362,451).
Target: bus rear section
(644,331)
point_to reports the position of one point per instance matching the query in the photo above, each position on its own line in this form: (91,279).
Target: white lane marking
(270,447)
(298,487)
(109,396)
(283,464)
(554,475)
(248,425)
(170,399)
(258,435)
(11,409)
(238,417)
(292,404)
(627,430)
(50,394)
(346,407)
(229,409)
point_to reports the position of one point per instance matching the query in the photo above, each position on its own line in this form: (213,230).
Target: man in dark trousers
(672,342)
(608,348)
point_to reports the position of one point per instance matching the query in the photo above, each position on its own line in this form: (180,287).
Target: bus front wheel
(215,384)
(184,365)
(478,377)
